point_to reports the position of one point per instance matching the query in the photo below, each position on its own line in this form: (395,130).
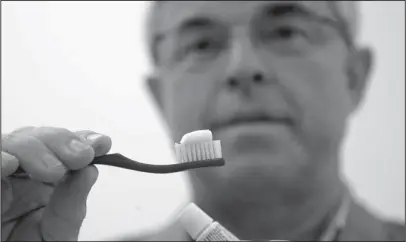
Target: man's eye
(204,46)
(285,33)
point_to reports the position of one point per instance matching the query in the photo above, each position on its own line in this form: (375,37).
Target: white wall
(80,65)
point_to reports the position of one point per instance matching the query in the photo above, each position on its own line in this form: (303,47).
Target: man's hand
(48,202)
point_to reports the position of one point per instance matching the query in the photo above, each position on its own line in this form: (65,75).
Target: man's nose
(245,69)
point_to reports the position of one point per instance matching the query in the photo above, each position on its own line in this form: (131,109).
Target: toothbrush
(197,146)
(196,150)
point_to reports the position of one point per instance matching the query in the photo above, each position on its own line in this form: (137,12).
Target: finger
(34,157)
(67,146)
(6,195)
(26,229)
(9,164)
(100,143)
(63,216)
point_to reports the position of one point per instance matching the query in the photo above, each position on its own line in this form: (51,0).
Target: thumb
(63,216)
(100,143)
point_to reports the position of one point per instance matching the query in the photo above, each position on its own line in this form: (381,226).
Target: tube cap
(194,220)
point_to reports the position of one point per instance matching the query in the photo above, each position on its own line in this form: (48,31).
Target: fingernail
(78,146)
(94,137)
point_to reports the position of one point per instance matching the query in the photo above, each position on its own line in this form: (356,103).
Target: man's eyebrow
(195,23)
(286,10)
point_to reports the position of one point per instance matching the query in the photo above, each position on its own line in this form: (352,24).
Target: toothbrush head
(198,146)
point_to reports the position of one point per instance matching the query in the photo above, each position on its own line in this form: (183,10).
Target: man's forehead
(175,13)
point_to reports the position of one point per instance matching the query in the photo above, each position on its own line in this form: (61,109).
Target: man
(275,81)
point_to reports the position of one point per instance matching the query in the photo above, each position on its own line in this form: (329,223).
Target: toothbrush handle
(118,160)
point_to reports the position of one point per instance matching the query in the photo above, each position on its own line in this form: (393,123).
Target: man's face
(269,79)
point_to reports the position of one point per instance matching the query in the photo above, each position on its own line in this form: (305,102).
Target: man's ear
(155,87)
(358,70)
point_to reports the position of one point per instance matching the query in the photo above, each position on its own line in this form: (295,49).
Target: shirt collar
(339,220)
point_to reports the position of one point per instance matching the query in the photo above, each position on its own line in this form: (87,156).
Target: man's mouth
(253,119)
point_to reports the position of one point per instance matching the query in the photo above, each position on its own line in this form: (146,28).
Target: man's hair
(346,13)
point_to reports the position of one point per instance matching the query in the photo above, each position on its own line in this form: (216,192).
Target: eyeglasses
(285,36)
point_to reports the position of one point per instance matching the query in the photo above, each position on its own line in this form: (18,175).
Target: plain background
(81,65)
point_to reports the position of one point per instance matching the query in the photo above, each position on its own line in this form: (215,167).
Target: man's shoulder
(396,231)
(362,224)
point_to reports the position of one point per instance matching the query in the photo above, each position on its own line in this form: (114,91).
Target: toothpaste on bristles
(198,145)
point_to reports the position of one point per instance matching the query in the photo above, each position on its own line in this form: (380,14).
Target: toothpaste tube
(201,227)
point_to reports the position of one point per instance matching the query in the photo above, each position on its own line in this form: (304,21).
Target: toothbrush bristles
(198,151)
